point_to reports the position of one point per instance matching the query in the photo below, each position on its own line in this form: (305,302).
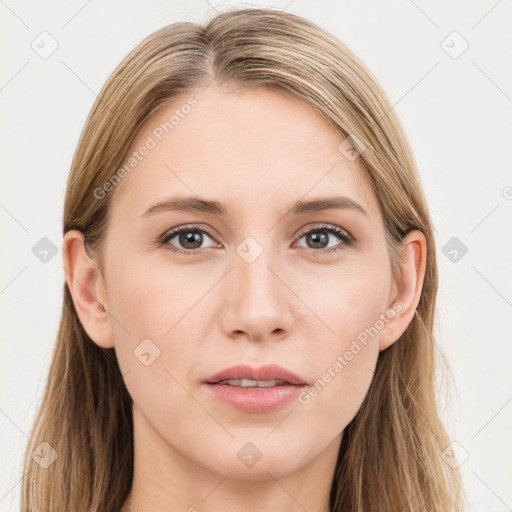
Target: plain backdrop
(446,68)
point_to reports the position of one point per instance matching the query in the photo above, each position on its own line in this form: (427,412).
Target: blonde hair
(390,458)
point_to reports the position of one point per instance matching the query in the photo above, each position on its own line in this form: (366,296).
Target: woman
(250,288)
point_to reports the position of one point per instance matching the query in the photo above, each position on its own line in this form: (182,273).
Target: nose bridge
(255,280)
(256,302)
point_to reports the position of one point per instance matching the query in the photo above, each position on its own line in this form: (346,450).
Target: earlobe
(408,289)
(86,285)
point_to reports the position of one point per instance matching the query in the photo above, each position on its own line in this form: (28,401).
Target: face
(265,275)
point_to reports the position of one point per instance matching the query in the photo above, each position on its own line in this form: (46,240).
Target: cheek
(343,303)
(344,346)
(158,311)
(341,384)
(155,347)
(152,299)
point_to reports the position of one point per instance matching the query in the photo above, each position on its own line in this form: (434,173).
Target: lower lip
(255,399)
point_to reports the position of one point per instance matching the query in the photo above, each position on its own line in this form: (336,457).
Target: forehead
(250,148)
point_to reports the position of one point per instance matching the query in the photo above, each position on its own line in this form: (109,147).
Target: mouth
(247,376)
(253,390)
(249,383)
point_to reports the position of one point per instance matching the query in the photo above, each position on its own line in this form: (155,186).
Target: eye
(318,238)
(189,238)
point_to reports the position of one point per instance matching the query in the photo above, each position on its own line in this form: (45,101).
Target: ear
(406,294)
(87,287)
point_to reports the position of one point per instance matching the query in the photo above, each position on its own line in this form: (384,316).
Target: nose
(257,305)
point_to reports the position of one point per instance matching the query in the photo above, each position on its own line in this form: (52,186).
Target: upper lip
(267,372)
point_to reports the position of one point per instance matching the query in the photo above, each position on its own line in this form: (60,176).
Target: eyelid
(346,237)
(171,233)
(330,227)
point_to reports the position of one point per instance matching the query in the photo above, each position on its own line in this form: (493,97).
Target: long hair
(391,455)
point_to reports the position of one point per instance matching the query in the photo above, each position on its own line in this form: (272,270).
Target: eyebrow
(197,204)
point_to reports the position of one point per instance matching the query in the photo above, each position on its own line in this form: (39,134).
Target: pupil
(319,237)
(192,237)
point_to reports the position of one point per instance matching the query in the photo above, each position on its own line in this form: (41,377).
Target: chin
(261,471)
(252,461)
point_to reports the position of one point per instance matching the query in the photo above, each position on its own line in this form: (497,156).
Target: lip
(254,399)
(267,372)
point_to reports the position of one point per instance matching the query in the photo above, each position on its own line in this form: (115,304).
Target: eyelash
(346,238)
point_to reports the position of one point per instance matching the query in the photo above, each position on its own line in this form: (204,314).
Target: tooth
(245,383)
(230,382)
(266,383)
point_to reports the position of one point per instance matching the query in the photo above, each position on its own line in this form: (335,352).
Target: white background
(456,111)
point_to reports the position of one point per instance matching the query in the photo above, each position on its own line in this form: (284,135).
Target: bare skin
(296,305)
